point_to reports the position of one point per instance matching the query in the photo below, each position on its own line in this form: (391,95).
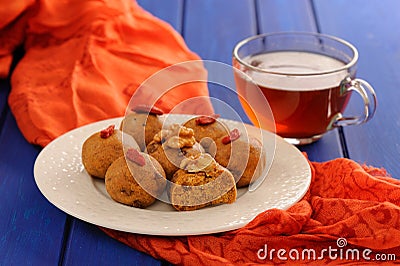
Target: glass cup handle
(367,93)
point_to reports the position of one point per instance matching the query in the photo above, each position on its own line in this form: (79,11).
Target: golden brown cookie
(245,159)
(171,145)
(207,129)
(142,124)
(201,183)
(102,148)
(137,181)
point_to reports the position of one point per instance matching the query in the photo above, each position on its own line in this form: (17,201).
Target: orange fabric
(13,21)
(346,201)
(84,60)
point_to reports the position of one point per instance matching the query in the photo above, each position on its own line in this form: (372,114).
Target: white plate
(61,178)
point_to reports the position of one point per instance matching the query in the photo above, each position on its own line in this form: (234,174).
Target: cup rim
(350,64)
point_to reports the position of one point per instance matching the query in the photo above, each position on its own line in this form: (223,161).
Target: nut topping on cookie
(204,162)
(176,137)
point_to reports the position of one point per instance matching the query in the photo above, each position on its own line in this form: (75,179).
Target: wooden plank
(373,27)
(168,10)
(212,28)
(93,247)
(31,229)
(325,149)
(287,15)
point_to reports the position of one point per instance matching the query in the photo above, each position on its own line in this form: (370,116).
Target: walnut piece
(204,163)
(176,137)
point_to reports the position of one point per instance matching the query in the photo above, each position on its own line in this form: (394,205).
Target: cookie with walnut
(201,182)
(171,145)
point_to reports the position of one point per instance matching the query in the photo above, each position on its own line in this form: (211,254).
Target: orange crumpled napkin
(84,60)
(348,209)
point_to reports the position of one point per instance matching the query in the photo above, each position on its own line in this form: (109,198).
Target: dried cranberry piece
(105,133)
(206,119)
(134,156)
(147,109)
(233,135)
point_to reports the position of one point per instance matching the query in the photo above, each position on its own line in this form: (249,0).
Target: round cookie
(135,182)
(207,129)
(102,148)
(245,159)
(200,183)
(142,124)
(170,146)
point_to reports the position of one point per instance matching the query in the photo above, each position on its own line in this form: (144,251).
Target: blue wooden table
(34,232)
